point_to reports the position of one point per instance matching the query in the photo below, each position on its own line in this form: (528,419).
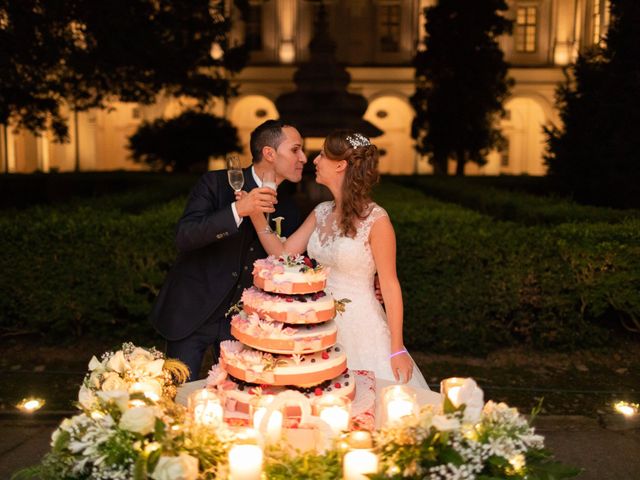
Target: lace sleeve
(375,214)
(322,210)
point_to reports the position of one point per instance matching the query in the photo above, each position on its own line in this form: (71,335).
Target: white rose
(150,387)
(444,423)
(112,381)
(86,397)
(154,368)
(182,467)
(141,420)
(141,354)
(120,397)
(95,364)
(118,363)
(472,397)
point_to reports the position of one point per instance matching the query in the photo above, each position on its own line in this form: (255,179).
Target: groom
(217,246)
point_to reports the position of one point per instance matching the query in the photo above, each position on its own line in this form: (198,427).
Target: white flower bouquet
(134,370)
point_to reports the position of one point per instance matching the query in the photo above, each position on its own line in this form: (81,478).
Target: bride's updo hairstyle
(360,176)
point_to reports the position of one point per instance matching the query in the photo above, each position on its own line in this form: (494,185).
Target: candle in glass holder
(273,430)
(450,388)
(360,460)
(245,462)
(398,401)
(335,411)
(206,407)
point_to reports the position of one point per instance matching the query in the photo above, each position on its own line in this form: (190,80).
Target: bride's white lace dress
(362,328)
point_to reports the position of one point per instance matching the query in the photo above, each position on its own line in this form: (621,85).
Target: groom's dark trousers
(213,266)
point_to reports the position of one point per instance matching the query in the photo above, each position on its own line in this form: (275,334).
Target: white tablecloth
(424,397)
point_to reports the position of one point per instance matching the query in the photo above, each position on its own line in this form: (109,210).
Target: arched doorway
(523,129)
(246,113)
(393,115)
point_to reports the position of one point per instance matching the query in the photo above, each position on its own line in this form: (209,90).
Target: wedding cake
(286,338)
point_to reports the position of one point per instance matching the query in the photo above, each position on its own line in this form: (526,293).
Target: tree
(461,82)
(595,152)
(183,143)
(87,53)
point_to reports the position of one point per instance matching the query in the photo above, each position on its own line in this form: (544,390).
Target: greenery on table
(129,427)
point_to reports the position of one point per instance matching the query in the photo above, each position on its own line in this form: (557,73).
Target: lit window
(389,28)
(254,27)
(600,19)
(504,154)
(526,29)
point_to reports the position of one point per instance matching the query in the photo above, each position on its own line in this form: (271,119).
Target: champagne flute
(234,172)
(269,181)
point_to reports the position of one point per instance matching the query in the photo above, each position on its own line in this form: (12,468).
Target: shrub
(471,283)
(512,205)
(183,143)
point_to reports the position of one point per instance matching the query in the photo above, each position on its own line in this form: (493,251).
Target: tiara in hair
(358,140)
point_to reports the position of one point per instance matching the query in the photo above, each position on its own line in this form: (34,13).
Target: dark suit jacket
(215,258)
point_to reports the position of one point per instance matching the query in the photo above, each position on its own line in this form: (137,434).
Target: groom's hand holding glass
(260,199)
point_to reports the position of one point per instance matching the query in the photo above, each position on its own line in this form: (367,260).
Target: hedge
(470,283)
(485,195)
(75,271)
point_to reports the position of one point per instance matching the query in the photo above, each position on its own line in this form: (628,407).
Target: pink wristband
(397,353)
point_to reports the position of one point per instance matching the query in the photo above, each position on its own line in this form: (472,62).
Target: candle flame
(627,409)
(31,404)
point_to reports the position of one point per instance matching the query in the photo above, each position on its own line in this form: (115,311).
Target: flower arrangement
(124,432)
(464,438)
(132,369)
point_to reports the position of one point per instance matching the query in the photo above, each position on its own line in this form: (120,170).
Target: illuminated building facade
(376,40)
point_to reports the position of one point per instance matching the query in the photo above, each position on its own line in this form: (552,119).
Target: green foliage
(472,284)
(491,199)
(83,270)
(84,54)
(595,151)
(304,466)
(461,82)
(180,143)
(128,191)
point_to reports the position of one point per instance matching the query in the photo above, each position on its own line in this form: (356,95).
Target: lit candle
(274,424)
(396,409)
(335,411)
(453,394)
(398,401)
(337,418)
(245,462)
(206,407)
(259,407)
(359,462)
(450,388)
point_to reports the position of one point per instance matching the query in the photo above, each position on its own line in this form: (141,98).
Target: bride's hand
(402,367)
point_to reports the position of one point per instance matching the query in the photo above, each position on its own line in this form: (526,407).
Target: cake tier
(295,309)
(289,275)
(254,366)
(277,337)
(238,394)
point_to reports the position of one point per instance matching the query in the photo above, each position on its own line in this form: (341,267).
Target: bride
(354,238)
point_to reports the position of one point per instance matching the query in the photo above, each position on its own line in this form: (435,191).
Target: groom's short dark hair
(267,134)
